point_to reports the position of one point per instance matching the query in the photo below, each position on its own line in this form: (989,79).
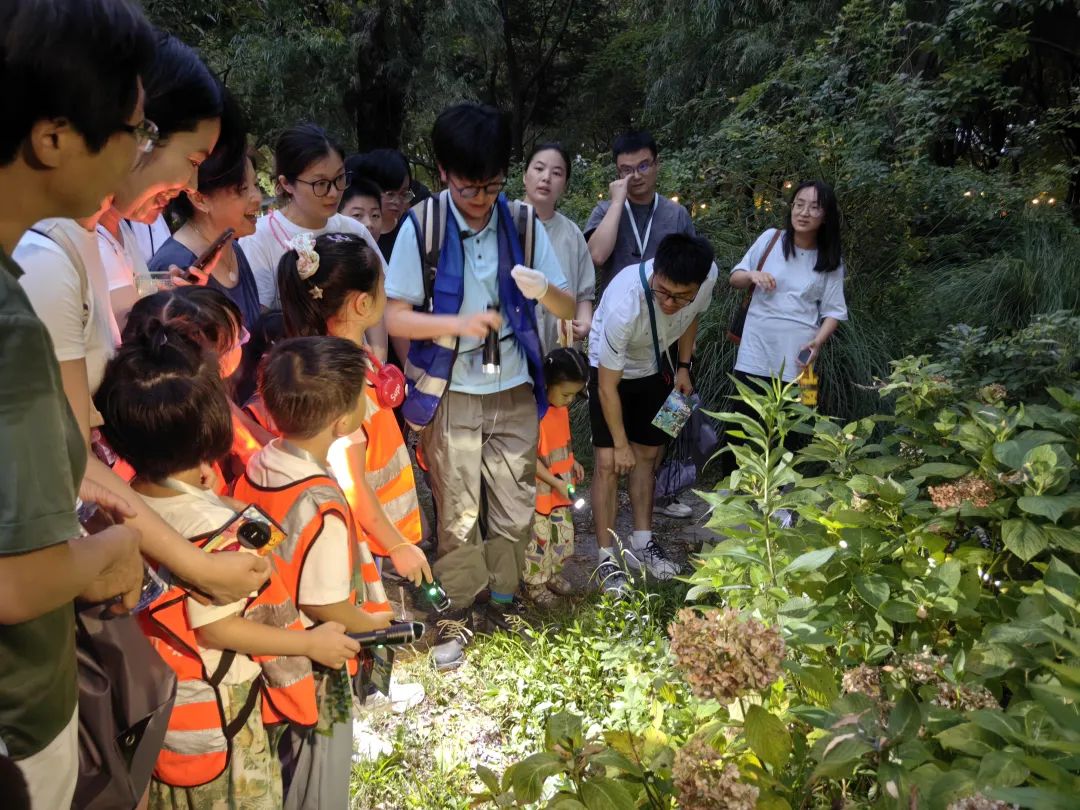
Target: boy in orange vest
(566,373)
(313,389)
(239,667)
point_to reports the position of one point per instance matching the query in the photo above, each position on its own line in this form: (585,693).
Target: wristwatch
(684,364)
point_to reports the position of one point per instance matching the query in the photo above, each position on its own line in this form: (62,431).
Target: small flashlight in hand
(571,490)
(492,360)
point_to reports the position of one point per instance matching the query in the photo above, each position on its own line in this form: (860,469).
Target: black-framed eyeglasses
(146,135)
(641,168)
(320,188)
(664,295)
(470,192)
(399,196)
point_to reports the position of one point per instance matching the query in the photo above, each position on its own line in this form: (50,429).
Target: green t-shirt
(42,461)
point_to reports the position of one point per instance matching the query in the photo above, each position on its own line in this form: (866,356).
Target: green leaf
(938,469)
(767,800)
(529,775)
(1064,539)
(1002,769)
(562,728)
(565,803)
(808,561)
(899,610)
(490,780)
(999,723)
(768,737)
(904,719)
(969,739)
(1043,798)
(606,794)
(1011,453)
(610,758)
(872,589)
(1051,507)
(840,753)
(1023,538)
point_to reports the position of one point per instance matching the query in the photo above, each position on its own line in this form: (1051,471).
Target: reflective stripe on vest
(389,473)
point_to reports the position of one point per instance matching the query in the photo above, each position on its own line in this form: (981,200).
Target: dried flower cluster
(703,782)
(924,669)
(996,392)
(980,802)
(859,503)
(864,679)
(970,488)
(722,656)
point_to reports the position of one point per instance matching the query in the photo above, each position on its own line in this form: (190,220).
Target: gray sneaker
(653,560)
(673,509)
(611,578)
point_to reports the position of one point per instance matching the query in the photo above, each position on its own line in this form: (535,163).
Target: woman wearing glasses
(310,171)
(797,276)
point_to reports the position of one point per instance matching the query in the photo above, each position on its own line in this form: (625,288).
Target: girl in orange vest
(566,372)
(333,285)
(313,389)
(239,667)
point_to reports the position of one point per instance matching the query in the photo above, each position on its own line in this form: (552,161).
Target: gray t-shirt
(669,218)
(573,254)
(779,322)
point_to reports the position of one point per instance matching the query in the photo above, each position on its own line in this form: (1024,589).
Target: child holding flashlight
(566,373)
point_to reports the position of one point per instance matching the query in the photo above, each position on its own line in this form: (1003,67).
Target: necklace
(231,273)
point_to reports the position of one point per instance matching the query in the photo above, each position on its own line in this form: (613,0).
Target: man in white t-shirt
(629,382)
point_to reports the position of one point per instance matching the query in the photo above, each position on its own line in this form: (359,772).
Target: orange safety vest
(388,471)
(198,741)
(554,452)
(301,509)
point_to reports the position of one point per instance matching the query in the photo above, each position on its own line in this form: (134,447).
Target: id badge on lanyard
(642,243)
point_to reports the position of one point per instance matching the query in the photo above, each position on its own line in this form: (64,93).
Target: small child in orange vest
(239,667)
(566,373)
(313,389)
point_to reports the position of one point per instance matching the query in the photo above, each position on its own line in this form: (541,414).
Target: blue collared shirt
(405,282)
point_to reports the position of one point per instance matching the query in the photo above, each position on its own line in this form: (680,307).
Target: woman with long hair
(797,276)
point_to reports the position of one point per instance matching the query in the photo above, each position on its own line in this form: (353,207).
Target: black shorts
(640,399)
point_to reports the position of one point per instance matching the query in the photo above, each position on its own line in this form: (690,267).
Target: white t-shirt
(781,321)
(150,237)
(268,244)
(123,260)
(326,577)
(621,335)
(193,515)
(80,321)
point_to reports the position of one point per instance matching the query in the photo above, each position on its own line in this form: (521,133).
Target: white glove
(532,283)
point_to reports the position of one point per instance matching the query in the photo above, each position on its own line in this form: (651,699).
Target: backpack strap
(67,247)
(430,235)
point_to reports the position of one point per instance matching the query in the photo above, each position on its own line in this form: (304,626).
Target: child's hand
(578,473)
(563,488)
(328,645)
(373,621)
(410,563)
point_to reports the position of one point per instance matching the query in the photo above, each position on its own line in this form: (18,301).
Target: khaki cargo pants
(483,444)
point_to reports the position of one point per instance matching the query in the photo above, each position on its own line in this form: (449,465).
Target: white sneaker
(611,578)
(674,509)
(367,745)
(653,560)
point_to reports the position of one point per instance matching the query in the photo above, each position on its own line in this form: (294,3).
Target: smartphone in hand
(208,255)
(804,356)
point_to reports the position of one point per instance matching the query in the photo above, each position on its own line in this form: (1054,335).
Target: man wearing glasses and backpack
(468,264)
(648,309)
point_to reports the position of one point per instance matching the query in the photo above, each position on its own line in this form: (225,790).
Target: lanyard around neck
(642,243)
(188,489)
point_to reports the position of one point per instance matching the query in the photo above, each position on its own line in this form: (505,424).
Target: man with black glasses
(467,272)
(626,229)
(72,110)
(648,309)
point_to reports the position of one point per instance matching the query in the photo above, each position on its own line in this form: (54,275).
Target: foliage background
(950,129)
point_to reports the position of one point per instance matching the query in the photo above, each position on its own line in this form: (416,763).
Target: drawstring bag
(687,456)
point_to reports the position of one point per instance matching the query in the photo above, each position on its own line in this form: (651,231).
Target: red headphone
(389,382)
